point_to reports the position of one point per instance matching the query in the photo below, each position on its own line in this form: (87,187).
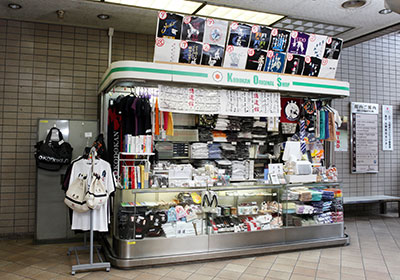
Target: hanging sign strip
(227,102)
(387,127)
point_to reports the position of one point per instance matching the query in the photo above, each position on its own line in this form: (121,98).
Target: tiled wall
(47,71)
(52,71)
(373,70)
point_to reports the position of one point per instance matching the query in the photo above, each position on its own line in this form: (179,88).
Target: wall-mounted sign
(364,137)
(387,127)
(342,137)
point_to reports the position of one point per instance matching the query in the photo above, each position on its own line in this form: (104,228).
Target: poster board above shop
(191,39)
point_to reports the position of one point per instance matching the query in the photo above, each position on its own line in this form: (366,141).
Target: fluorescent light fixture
(179,6)
(311,26)
(238,15)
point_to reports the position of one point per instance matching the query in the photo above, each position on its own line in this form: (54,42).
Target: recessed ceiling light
(179,6)
(385,11)
(353,4)
(14,6)
(238,15)
(103,16)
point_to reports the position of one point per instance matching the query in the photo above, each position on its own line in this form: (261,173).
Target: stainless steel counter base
(156,251)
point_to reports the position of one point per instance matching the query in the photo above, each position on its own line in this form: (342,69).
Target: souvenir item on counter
(312,66)
(333,48)
(316,45)
(279,40)
(212,55)
(215,31)
(294,64)
(328,68)
(169,25)
(275,62)
(166,50)
(193,28)
(260,37)
(190,52)
(235,57)
(239,34)
(256,59)
(291,109)
(298,42)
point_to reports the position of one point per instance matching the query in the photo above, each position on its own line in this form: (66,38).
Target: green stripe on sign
(154,70)
(320,86)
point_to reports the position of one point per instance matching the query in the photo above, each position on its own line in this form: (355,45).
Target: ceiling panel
(327,13)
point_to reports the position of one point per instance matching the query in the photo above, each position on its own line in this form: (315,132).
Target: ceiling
(84,13)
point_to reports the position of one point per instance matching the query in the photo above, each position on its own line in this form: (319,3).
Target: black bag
(52,155)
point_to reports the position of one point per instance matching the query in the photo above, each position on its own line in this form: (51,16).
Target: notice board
(364,137)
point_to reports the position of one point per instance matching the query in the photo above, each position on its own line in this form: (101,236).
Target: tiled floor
(374,253)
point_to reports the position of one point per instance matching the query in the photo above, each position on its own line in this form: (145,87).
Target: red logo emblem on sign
(187,19)
(270,54)
(206,47)
(255,28)
(183,45)
(324,61)
(329,41)
(234,25)
(210,21)
(295,34)
(308,59)
(160,42)
(313,38)
(250,52)
(274,32)
(230,49)
(289,57)
(162,14)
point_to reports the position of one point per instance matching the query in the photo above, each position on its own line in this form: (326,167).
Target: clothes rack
(91,265)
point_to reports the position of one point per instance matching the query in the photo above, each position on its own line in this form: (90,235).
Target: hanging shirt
(321,124)
(114,135)
(101,216)
(326,125)
(157,119)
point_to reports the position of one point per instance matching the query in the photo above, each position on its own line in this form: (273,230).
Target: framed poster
(364,137)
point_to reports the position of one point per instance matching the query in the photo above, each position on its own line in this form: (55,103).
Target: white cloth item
(101,216)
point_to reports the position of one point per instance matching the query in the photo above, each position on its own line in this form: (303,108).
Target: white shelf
(136,154)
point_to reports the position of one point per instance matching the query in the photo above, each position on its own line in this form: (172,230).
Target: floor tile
(235,267)
(278,275)
(228,274)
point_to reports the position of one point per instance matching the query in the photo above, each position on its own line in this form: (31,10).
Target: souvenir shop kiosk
(179,200)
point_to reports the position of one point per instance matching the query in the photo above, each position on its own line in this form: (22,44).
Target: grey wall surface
(47,71)
(373,70)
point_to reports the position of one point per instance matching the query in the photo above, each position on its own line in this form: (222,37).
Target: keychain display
(298,43)
(169,25)
(235,57)
(190,52)
(256,59)
(193,28)
(316,45)
(275,62)
(260,37)
(279,40)
(333,48)
(212,55)
(294,64)
(239,34)
(312,66)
